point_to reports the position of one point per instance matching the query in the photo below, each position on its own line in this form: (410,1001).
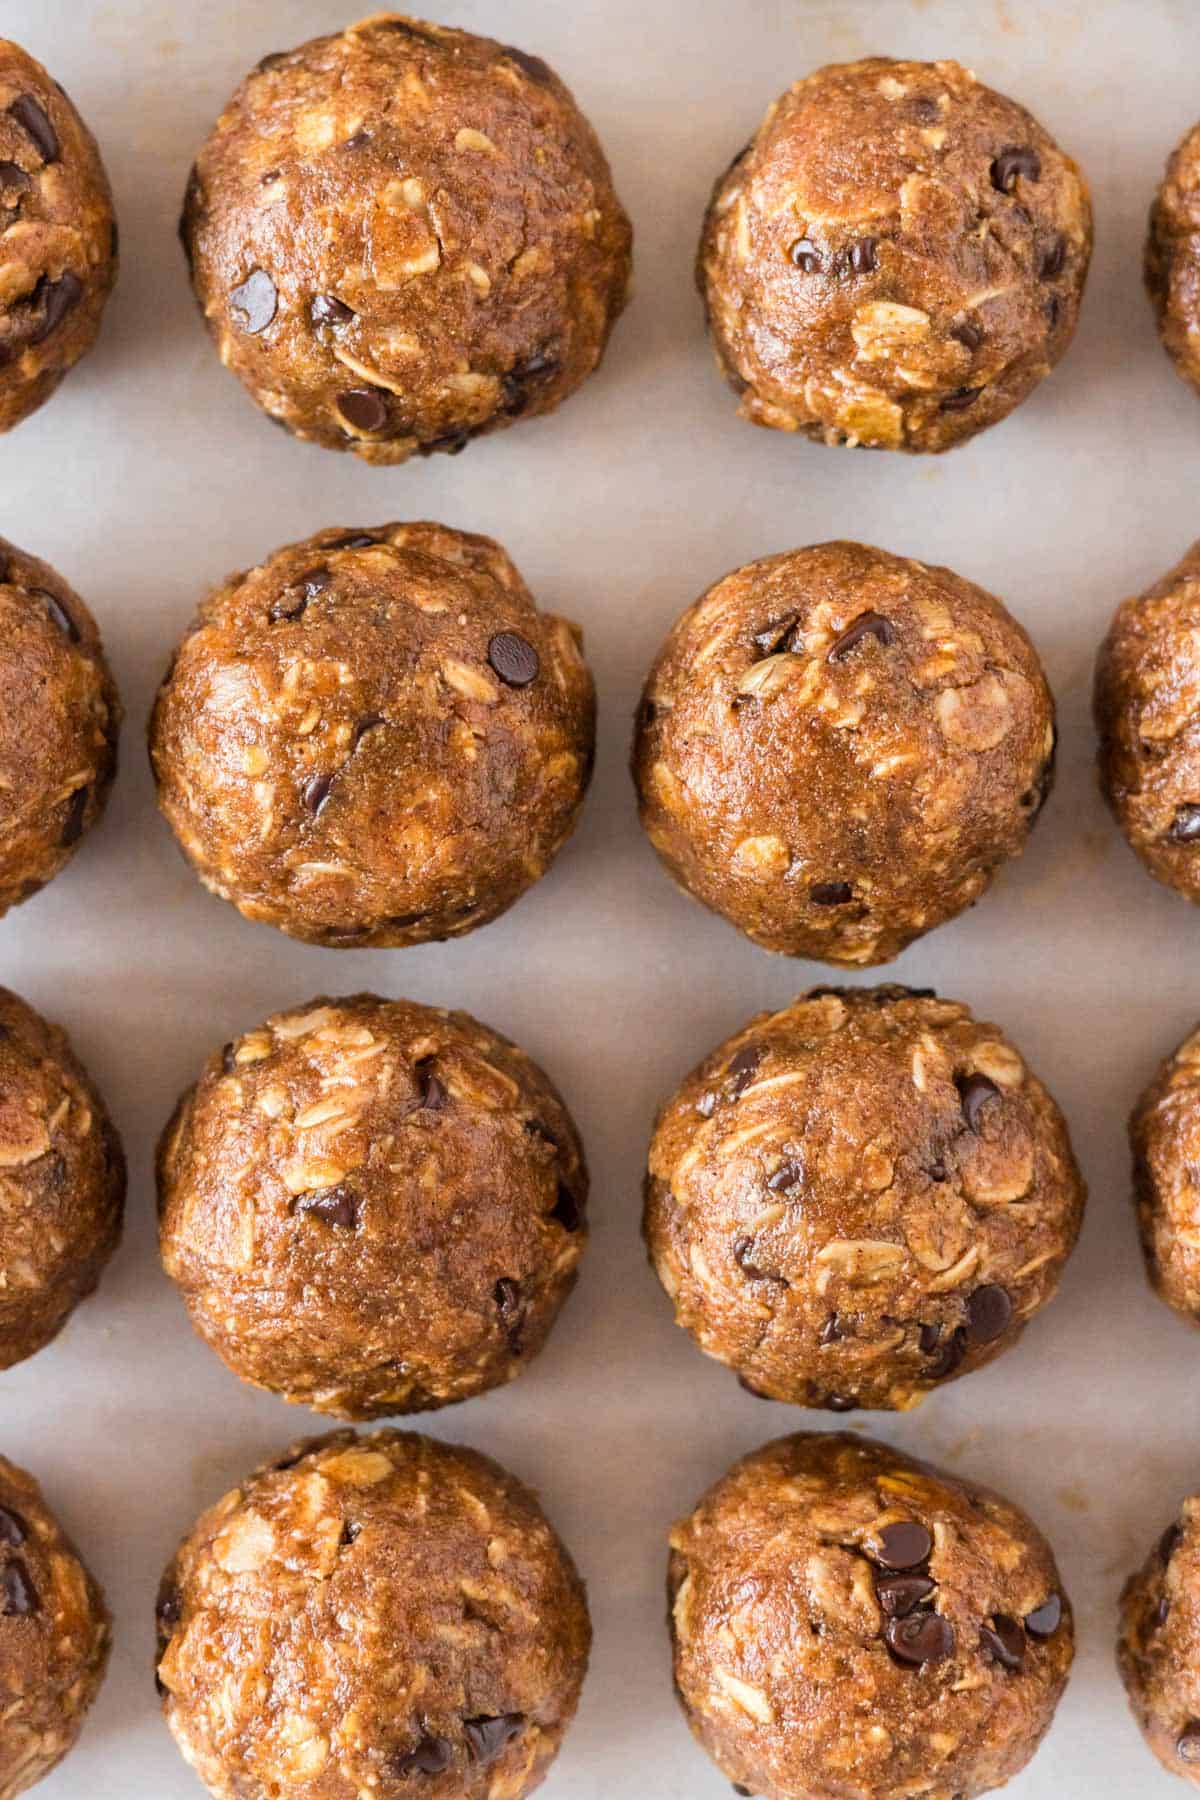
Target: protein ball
(382,1615)
(855,1199)
(895,260)
(1147,703)
(1158,1649)
(1164,1133)
(59,724)
(405,236)
(925,1636)
(837,749)
(375,737)
(59,236)
(54,1635)
(1173,258)
(372,1207)
(62,1192)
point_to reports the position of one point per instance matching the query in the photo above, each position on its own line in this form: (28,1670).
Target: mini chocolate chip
(169,1610)
(989,1313)
(787,1176)
(327,309)
(960,400)
(706,1105)
(333,1206)
(1045,1619)
(13,1529)
(354,540)
(359,141)
(743,1255)
(867,624)
(929,1338)
(1012,163)
(1053,312)
(1004,1641)
(58,613)
(920,1638)
(1054,259)
(1185,827)
(743,1066)
(805,255)
(72,827)
(745,1792)
(511,1306)
(365,408)
(952,1356)
(830,893)
(518,382)
(1170,1541)
(432,1756)
(315,792)
(513,658)
(925,109)
(487,1736)
(269,178)
(899,1595)
(748,1387)
(1162,1613)
(349,1534)
(566,1210)
(35,122)
(905,1545)
(450,443)
(533,66)
(778,636)
(974,1092)
(372,722)
(937,1172)
(18,1596)
(838,1403)
(255,302)
(861,256)
(968,333)
(54,299)
(831,1330)
(13,178)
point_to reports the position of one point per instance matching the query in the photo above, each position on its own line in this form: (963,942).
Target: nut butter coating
(404,236)
(895,260)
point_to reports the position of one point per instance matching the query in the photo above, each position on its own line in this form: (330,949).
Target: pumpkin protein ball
(1164,1133)
(1158,1646)
(895,260)
(54,1636)
(383,1614)
(837,748)
(58,232)
(860,1197)
(1147,705)
(403,237)
(62,1182)
(372,1206)
(927,1639)
(1172,264)
(59,725)
(375,737)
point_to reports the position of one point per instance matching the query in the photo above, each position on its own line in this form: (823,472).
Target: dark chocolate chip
(787,1176)
(349,1534)
(920,1638)
(1187,1745)
(743,1067)
(55,299)
(513,658)
(905,1545)
(1004,1641)
(13,1529)
(745,1792)
(35,122)
(13,178)
(169,1610)
(511,1306)
(937,1172)
(968,333)
(805,255)
(365,408)
(1053,312)
(838,1403)
(862,256)
(926,110)
(929,1339)
(951,1356)
(58,613)
(1162,1613)
(1185,826)
(974,1092)
(989,1313)
(488,1736)
(275,60)
(1170,1541)
(743,1255)
(899,1595)
(960,400)
(566,1210)
(1010,164)
(523,378)
(359,141)
(867,624)
(316,791)
(776,637)
(327,309)
(18,1596)
(269,178)
(354,540)
(1045,1619)
(293,602)
(1054,259)
(831,1331)
(533,66)
(372,722)
(748,1387)
(255,303)
(830,893)
(72,827)
(432,1756)
(333,1206)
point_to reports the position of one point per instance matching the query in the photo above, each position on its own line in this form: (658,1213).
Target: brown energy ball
(849,1622)
(59,236)
(62,1182)
(59,724)
(1147,702)
(895,260)
(1173,258)
(54,1636)
(859,1197)
(1164,1133)
(382,1615)
(372,1206)
(375,737)
(837,748)
(1158,1649)
(404,236)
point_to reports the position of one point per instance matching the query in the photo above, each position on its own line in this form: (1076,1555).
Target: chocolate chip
(364,408)
(1045,1619)
(968,333)
(1169,1542)
(743,1067)
(354,540)
(838,1403)
(787,1176)
(778,636)
(72,826)
(1162,1613)
(333,1206)
(487,1736)
(520,381)
(327,309)
(1004,1641)
(293,602)
(951,1357)
(169,1610)
(359,141)
(861,256)
(960,400)
(511,1307)
(228,1060)
(748,1387)
(533,66)
(58,613)
(989,1313)
(899,1595)
(54,299)
(831,1331)
(920,1638)
(513,658)
(974,1092)
(18,1596)
(405,28)
(432,1756)
(350,1532)
(905,1545)
(566,1210)
(13,1529)
(316,791)
(745,1792)
(372,722)
(867,624)
(1012,163)
(275,60)
(926,110)
(929,1338)
(805,255)
(1185,827)
(1053,312)
(35,122)
(743,1255)
(1054,258)
(830,893)
(937,1172)
(255,303)
(13,178)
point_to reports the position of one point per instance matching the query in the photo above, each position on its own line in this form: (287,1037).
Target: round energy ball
(372,1207)
(375,737)
(1147,703)
(382,1615)
(59,236)
(59,724)
(927,1639)
(62,1182)
(54,1635)
(1173,258)
(404,236)
(895,260)
(837,748)
(1158,1649)
(855,1199)
(1164,1133)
